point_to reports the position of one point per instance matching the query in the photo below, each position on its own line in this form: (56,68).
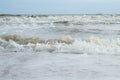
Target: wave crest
(91,45)
(59,19)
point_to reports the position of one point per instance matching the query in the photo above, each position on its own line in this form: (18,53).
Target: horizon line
(12,14)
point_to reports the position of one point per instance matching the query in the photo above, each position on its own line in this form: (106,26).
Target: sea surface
(60,47)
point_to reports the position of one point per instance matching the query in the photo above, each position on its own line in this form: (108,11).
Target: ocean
(60,47)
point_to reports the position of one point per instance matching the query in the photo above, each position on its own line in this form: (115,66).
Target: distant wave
(21,15)
(7,19)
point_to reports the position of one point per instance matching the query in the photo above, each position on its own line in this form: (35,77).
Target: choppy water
(69,47)
(91,33)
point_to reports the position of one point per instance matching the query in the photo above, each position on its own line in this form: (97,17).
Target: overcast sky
(59,6)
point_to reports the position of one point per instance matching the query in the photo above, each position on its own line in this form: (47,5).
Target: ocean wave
(65,23)
(65,44)
(59,19)
(34,40)
(20,15)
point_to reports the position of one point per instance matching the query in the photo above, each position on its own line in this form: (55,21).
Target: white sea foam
(96,37)
(60,19)
(91,45)
(47,30)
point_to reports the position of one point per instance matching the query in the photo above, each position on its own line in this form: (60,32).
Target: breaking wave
(65,44)
(59,19)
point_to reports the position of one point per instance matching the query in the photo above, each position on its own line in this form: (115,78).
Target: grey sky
(59,6)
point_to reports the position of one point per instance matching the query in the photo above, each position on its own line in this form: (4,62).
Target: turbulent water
(60,47)
(97,34)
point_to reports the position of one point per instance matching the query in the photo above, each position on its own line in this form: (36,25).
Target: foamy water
(66,44)
(59,47)
(91,33)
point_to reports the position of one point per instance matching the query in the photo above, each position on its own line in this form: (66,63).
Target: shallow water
(48,66)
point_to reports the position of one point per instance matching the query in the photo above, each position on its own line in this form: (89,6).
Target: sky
(59,6)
